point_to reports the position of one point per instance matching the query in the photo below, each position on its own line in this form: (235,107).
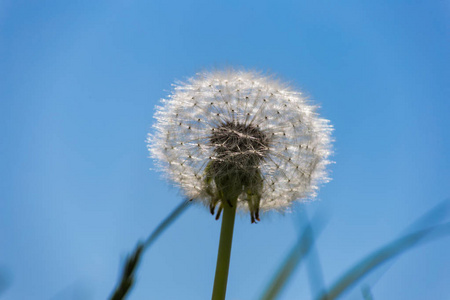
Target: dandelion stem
(224,253)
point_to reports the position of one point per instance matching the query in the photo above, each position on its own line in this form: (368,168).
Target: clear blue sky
(78,84)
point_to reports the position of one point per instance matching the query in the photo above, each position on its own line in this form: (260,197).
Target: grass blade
(292,261)
(166,223)
(132,261)
(382,255)
(314,268)
(431,218)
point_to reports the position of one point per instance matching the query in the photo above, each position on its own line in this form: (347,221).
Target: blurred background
(78,84)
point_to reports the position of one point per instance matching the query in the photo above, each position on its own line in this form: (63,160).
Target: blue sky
(78,84)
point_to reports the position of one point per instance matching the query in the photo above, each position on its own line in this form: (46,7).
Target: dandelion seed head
(244,135)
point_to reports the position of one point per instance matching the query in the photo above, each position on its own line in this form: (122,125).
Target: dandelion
(236,140)
(241,135)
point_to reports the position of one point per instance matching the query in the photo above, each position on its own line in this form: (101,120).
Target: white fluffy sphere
(251,127)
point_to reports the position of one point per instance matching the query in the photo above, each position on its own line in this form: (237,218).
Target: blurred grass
(366,265)
(433,217)
(428,220)
(366,293)
(313,266)
(127,278)
(5,279)
(425,228)
(293,260)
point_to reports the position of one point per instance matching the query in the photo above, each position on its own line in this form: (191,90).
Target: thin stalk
(224,253)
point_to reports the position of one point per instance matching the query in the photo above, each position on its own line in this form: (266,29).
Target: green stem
(223,256)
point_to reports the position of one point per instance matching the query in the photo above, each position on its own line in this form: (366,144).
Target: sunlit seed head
(239,144)
(239,134)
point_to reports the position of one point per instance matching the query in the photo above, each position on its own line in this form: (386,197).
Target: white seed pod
(259,134)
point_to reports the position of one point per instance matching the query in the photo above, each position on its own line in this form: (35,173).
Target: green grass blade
(431,218)
(166,223)
(314,267)
(128,274)
(382,255)
(132,261)
(291,262)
